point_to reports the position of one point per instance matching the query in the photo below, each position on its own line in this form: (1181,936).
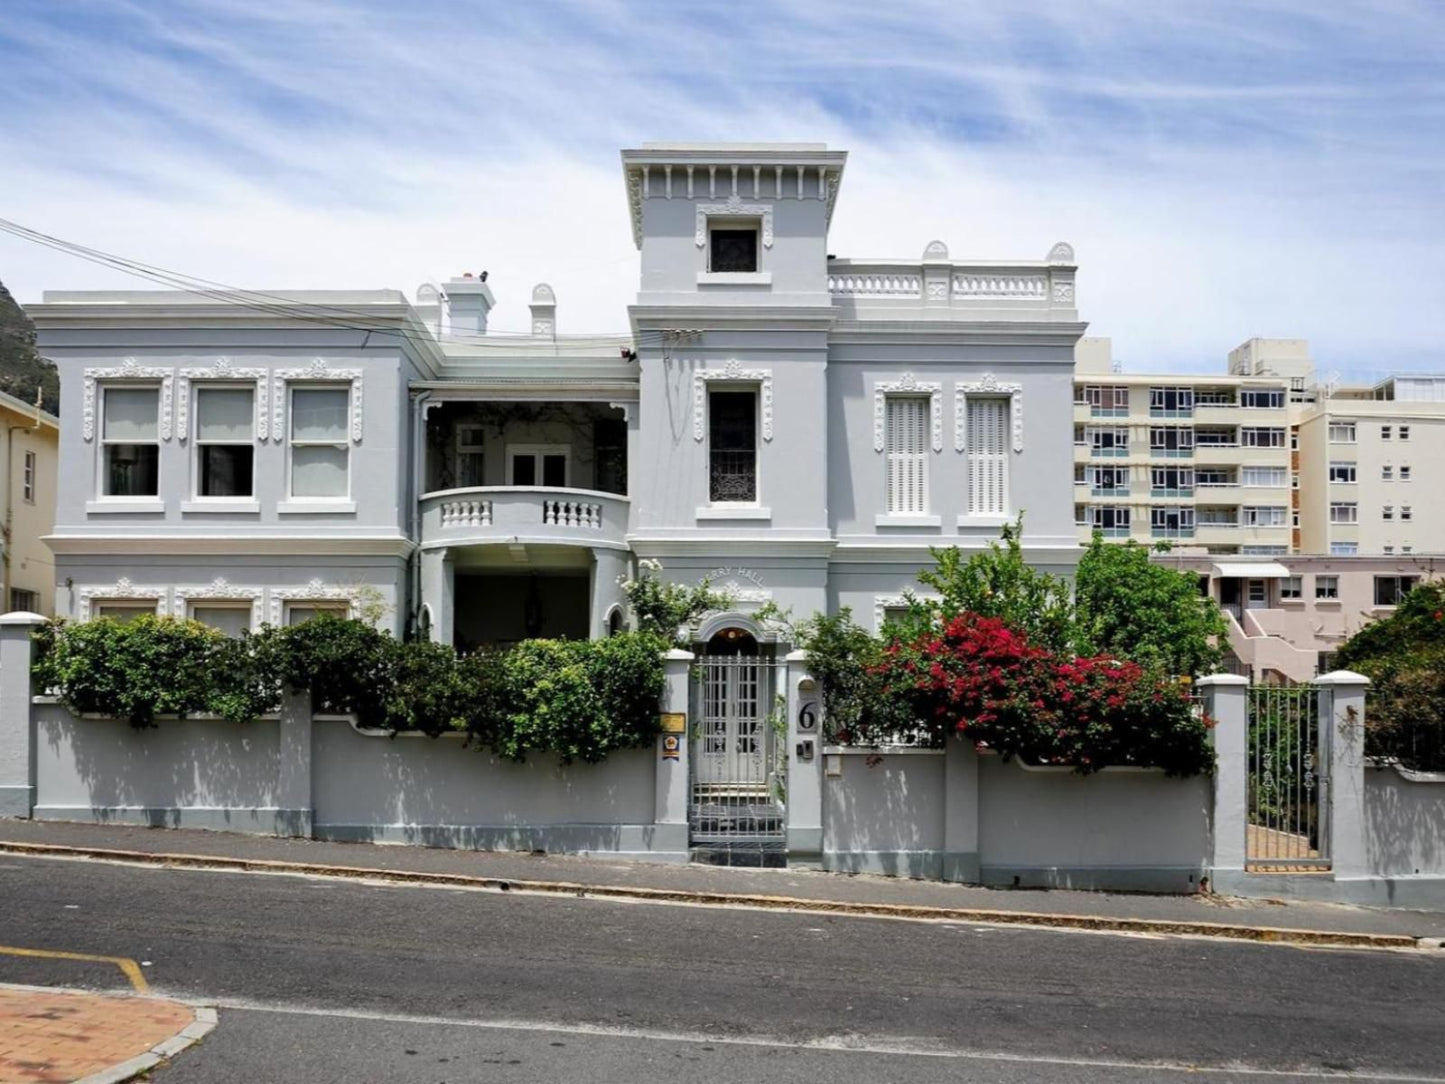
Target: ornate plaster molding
(222,371)
(883,603)
(218,590)
(732,371)
(317,371)
(315,591)
(127,370)
(908,385)
(121,589)
(634,201)
(734,206)
(993,387)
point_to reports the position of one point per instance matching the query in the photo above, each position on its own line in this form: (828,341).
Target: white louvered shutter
(987,457)
(907,451)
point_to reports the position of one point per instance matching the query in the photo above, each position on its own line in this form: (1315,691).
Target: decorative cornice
(218,590)
(732,371)
(222,371)
(319,371)
(315,591)
(230,545)
(908,384)
(127,370)
(991,386)
(734,206)
(121,589)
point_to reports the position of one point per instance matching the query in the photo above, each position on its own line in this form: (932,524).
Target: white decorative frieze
(127,370)
(732,372)
(734,206)
(320,372)
(218,590)
(874,285)
(1064,292)
(908,385)
(122,590)
(314,592)
(222,370)
(993,387)
(1027,287)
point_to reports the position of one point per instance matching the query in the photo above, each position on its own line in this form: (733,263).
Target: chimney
(544,312)
(469,299)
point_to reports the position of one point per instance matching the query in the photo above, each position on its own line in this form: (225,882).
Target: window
(1104,401)
(28,485)
(123,610)
(1389,550)
(1172,481)
(1342,432)
(1407,549)
(1108,442)
(225,450)
(1344,512)
(1385,432)
(1214,397)
(320,454)
(1170,440)
(129,436)
(1257,593)
(539,465)
(1391,590)
(1327,587)
(21,599)
(1109,519)
(1171,522)
(298,613)
(1261,437)
(733,448)
(1216,437)
(231,620)
(1262,398)
(1406,512)
(1342,472)
(1404,474)
(1404,432)
(1171,402)
(1344,549)
(1325,663)
(1387,474)
(1263,515)
(1263,551)
(1264,476)
(906,452)
(1214,476)
(1294,440)
(733,246)
(1294,517)
(1218,517)
(1388,512)
(1109,481)
(471,463)
(1291,588)
(609,455)
(988,442)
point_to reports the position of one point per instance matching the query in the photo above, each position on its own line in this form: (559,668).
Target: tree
(22,369)
(1131,608)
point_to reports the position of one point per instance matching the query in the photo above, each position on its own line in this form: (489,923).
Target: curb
(917,912)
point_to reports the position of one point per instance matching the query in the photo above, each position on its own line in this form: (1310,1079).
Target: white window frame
(1387,512)
(102,473)
(1387,473)
(1344,512)
(895,460)
(1344,549)
(199,445)
(219,592)
(291,387)
(1404,472)
(1342,433)
(1386,432)
(1275,398)
(466,447)
(1327,588)
(1261,436)
(1262,515)
(1407,513)
(1343,468)
(27,485)
(1278,477)
(536,452)
(1292,589)
(315,593)
(977,461)
(1403,432)
(121,592)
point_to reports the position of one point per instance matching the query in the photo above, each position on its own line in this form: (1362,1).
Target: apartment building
(1369,460)
(1200,460)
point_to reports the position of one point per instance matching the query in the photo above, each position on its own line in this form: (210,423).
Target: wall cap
(1342,677)
(677,653)
(23,617)
(1215,680)
(797,656)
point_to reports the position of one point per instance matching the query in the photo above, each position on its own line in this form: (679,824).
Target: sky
(1223,170)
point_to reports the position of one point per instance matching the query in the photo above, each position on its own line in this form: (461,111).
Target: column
(17,729)
(1226,700)
(438,592)
(960,810)
(804,732)
(671,795)
(608,568)
(1342,748)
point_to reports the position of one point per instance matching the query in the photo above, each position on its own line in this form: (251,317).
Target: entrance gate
(1286,777)
(735,813)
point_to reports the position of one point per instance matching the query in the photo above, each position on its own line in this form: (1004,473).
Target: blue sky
(1223,169)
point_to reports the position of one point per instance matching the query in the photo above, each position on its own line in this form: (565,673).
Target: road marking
(830,1044)
(129,967)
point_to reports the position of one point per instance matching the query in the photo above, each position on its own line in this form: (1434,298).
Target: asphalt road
(335,981)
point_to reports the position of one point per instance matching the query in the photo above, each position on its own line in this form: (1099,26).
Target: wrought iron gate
(1286,778)
(736,810)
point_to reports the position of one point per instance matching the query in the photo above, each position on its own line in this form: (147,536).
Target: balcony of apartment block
(523,520)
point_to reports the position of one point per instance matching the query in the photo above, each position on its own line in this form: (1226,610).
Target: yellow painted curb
(1269,934)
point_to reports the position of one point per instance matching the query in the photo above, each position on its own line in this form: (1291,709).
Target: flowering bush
(664,609)
(977,677)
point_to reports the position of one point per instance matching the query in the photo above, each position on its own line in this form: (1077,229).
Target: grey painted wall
(1404,823)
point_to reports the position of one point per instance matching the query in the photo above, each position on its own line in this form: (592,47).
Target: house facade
(32,440)
(795,427)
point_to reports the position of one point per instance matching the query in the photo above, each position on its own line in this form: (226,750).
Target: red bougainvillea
(977,677)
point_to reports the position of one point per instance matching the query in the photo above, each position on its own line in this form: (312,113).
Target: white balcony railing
(524,514)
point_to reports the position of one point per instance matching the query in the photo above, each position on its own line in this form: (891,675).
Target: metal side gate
(1285,831)
(735,814)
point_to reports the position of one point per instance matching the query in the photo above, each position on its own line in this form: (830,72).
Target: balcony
(522,515)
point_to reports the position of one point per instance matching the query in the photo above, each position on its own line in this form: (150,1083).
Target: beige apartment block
(1287,616)
(1196,460)
(1370,468)
(31,448)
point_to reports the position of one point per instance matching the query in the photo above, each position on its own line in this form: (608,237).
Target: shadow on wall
(886,817)
(1404,824)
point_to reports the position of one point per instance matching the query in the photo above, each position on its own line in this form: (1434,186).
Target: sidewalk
(59,1035)
(833,890)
